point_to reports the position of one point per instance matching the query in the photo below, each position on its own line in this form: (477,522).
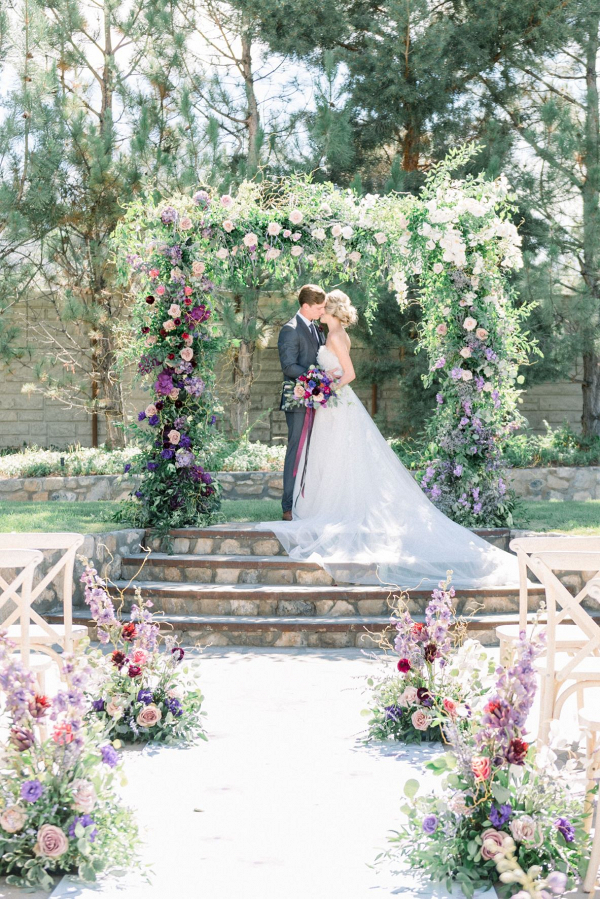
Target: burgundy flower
(404,666)
(134,671)
(178,653)
(424,697)
(38,706)
(431,652)
(129,631)
(516,752)
(21,738)
(118,658)
(149,300)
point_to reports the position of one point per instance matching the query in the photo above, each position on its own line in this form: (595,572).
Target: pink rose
(174,437)
(12,819)
(186,223)
(296,216)
(175,692)
(175,311)
(481,333)
(299,391)
(84,796)
(198,269)
(273,229)
(149,716)
(296,236)
(442,329)
(187,354)
(336,230)
(151,340)
(273,253)
(380,237)
(526,830)
(188,340)
(223,253)
(234,251)
(154,273)
(228,226)
(469,323)
(226,201)
(354,256)
(481,767)
(491,843)
(297,251)
(450,708)
(139,657)
(150,410)
(51,841)
(114,709)
(174,394)
(160,289)
(410,695)
(465,352)
(286,232)
(250,239)
(188,291)
(467,375)
(420,721)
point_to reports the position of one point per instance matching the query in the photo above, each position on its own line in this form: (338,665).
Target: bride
(362,516)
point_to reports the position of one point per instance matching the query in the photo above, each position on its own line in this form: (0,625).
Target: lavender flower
(109,755)
(31,790)
(174,706)
(184,458)
(566,828)
(164,384)
(500,815)
(430,824)
(168,215)
(85,821)
(194,386)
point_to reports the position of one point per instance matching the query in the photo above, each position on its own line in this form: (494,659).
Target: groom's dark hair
(311,294)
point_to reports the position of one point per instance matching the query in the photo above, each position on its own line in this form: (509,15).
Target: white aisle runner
(283,802)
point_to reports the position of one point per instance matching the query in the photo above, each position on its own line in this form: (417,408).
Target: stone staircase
(234,585)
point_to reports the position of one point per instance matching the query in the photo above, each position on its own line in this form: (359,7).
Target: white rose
(296,216)
(250,239)
(273,229)
(336,230)
(223,253)
(465,352)
(467,375)
(296,251)
(354,256)
(410,695)
(438,268)
(469,323)
(319,234)
(273,253)
(380,237)
(347,232)
(228,226)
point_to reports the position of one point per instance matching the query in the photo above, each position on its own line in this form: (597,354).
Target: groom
(298,345)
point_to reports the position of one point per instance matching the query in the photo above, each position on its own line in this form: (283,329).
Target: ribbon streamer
(304,438)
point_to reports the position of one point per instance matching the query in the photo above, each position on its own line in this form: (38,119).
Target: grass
(91,518)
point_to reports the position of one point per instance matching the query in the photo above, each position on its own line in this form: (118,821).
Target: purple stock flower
(168,215)
(430,824)
(164,384)
(174,706)
(109,754)
(167,454)
(566,828)
(500,815)
(393,713)
(458,470)
(85,821)
(141,416)
(456,374)
(194,386)
(184,458)
(98,705)
(435,492)
(146,696)
(31,790)
(439,398)
(152,466)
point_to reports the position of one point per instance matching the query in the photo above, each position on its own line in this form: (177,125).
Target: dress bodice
(327,359)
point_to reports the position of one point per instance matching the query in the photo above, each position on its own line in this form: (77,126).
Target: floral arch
(450,249)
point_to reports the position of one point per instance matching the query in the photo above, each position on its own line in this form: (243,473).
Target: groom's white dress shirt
(309,324)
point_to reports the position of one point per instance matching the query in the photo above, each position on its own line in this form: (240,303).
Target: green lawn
(89,518)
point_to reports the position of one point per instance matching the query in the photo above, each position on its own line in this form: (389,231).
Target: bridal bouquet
(143,690)
(506,814)
(438,679)
(313,389)
(59,810)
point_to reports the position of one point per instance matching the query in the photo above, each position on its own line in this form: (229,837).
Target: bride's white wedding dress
(364,518)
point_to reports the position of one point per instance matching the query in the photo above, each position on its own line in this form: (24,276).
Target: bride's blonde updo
(339,305)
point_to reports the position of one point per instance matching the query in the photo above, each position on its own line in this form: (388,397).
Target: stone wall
(580,484)
(32,419)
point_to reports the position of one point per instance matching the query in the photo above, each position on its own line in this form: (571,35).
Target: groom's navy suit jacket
(298,349)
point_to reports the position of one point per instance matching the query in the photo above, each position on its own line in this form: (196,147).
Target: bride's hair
(338,304)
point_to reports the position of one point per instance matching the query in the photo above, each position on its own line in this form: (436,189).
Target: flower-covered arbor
(449,249)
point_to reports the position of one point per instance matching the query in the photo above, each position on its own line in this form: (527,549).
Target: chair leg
(588,806)
(548,690)
(41,681)
(589,884)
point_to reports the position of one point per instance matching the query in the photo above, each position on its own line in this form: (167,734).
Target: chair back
(17,567)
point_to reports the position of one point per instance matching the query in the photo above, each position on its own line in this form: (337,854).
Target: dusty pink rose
(187,354)
(481,767)
(481,333)
(491,843)
(198,268)
(450,708)
(139,657)
(149,716)
(228,226)
(174,437)
(250,239)
(175,310)
(223,253)
(226,201)
(354,256)
(273,253)
(336,230)
(12,819)
(469,323)
(188,340)
(297,251)
(410,695)
(51,841)
(169,325)
(286,232)
(150,410)
(154,273)
(442,329)
(273,229)
(526,830)
(174,395)
(438,268)
(114,709)
(299,391)
(160,289)
(420,721)
(380,237)
(296,216)
(186,223)
(467,375)
(296,236)
(151,340)
(234,251)
(188,291)
(175,692)
(465,352)
(84,796)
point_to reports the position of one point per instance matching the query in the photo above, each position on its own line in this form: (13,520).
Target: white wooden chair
(44,636)
(589,720)
(565,670)
(17,567)
(568,637)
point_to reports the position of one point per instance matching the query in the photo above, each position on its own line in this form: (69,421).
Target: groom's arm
(289,352)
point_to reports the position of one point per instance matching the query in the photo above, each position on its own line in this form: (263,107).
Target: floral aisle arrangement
(439,679)
(59,811)
(143,690)
(191,259)
(506,815)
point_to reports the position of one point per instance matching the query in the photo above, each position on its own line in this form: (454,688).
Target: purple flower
(430,824)
(152,466)
(435,492)
(109,754)
(138,494)
(213,419)
(184,458)
(194,386)
(499,816)
(566,828)
(153,420)
(439,398)
(174,706)
(393,713)
(164,384)
(98,705)
(146,696)
(557,881)
(175,255)
(168,215)
(201,198)
(167,454)
(185,442)
(141,416)
(199,313)
(477,508)
(456,374)
(206,478)
(31,790)
(440,362)
(458,470)
(178,653)
(85,821)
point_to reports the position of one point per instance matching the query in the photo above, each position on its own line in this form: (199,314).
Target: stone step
(221,569)
(189,598)
(238,538)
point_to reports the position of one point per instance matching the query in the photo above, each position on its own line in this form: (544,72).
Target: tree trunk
(590,418)
(112,395)
(253,115)
(243,378)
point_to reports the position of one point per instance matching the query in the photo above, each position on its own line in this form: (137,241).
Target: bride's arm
(341,351)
